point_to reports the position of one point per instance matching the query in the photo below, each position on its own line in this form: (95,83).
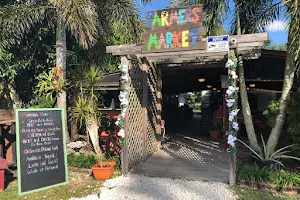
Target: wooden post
(1,143)
(145,106)
(124,154)
(13,143)
(159,101)
(232,157)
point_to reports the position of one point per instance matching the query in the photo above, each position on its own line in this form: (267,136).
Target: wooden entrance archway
(143,117)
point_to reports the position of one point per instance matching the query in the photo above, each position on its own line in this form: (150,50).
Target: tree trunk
(288,79)
(92,128)
(244,94)
(74,130)
(246,108)
(61,63)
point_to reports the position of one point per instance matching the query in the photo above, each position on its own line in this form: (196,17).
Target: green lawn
(247,194)
(79,185)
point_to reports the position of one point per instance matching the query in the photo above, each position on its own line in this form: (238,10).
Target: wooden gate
(140,121)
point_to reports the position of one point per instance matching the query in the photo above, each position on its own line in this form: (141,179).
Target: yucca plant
(85,110)
(273,160)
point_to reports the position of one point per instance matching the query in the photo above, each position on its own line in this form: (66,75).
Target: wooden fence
(140,122)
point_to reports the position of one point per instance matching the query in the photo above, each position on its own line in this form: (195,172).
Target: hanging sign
(174,29)
(41,149)
(218,43)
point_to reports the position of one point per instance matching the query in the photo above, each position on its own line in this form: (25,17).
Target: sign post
(41,149)
(218,43)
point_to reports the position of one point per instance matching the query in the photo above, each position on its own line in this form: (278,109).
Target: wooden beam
(264,80)
(137,48)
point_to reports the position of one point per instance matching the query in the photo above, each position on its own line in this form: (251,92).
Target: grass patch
(86,162)
(248,194)
(80,185)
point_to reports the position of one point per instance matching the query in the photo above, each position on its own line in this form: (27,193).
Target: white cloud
(276,26)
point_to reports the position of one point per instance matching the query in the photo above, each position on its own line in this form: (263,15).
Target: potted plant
(86,112)
(216,128)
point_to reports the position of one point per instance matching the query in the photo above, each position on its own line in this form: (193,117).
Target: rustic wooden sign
(174,29)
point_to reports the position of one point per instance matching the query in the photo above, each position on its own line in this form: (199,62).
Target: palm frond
(80,18)
(16,21)
(122,18)
(252,150)
(255,15)
(293,16)
(215,11)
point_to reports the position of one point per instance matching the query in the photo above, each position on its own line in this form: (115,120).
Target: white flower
(232,114)
(124,78)
(230,90)
(229,63)
(123,95)
(235,126)
(124,102)
(230,102)
(123,113)
(231,140)
(117,122)
(125,68)
(233,75)
(121,133)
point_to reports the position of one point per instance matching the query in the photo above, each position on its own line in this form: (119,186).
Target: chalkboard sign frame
(18,148)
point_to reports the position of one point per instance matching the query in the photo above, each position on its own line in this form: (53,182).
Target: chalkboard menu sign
(41,148)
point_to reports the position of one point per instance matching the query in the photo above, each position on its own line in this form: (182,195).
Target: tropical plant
(8,71)
(85,110)
(119,18)
(193,100)
(285,179)
(253,173)
(271,159)
(50,84)
(292,62)
(272,112)
(294,116)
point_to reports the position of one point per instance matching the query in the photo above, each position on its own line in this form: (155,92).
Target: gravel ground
(145,188)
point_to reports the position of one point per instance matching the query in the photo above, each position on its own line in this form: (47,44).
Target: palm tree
(80,17)
(291,64)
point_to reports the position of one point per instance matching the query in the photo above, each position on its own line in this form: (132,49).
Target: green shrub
(285,179)
(272,112)
(86,162)
(253,173)
(81,161)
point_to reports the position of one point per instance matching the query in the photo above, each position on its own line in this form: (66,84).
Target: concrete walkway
(184,157)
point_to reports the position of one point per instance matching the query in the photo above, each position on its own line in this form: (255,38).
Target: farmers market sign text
(174,29)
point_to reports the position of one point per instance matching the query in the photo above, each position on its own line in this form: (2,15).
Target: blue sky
(276,30)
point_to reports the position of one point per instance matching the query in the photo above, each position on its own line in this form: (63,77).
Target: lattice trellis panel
(135,116)
(151,110)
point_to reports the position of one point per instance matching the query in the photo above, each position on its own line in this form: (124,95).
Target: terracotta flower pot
(214,134)
(104,172)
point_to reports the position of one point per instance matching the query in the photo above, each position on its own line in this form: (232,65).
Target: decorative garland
(123,97)
(231,99)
